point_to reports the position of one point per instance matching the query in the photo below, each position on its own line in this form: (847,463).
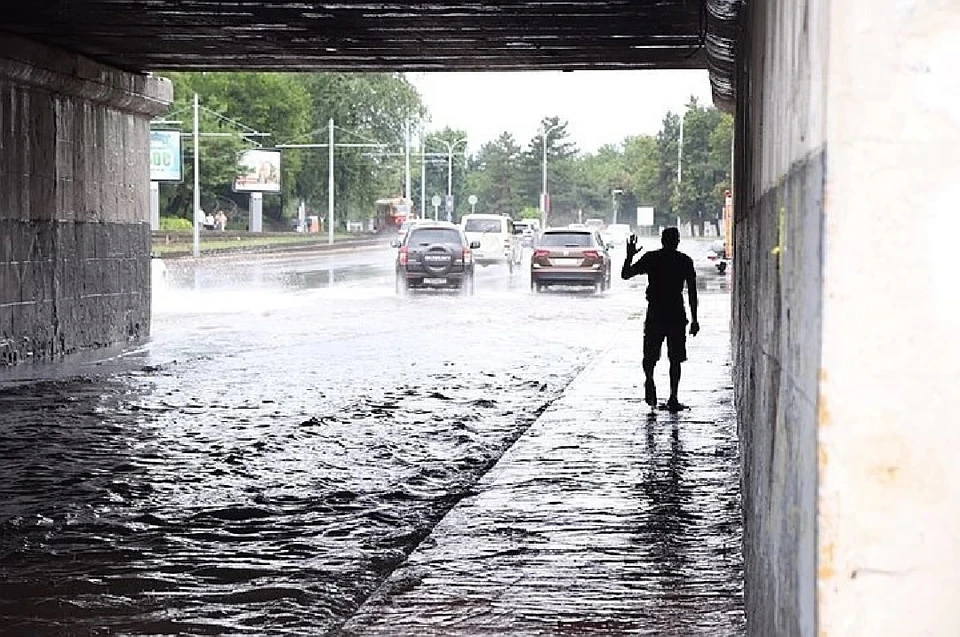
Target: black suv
(435,254)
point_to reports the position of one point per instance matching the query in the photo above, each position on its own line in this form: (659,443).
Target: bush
(175,223)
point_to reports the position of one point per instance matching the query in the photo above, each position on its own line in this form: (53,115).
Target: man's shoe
(673,406)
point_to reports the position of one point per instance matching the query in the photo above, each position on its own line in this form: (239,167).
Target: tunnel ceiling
(143,35)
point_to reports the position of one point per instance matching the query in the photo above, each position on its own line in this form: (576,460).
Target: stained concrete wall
(781,156)
(846,334)
(74,201)
(889,509)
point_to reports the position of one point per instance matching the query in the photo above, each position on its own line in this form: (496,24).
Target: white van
(494,233)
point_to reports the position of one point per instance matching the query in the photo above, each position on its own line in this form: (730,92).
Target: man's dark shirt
(667,271)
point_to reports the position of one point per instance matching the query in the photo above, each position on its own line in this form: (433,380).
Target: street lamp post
(543,187)
(450,146)
(613,198)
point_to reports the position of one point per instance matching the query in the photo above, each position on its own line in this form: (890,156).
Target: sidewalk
(604,518)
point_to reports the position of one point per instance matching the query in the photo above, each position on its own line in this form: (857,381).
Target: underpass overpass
(846,338)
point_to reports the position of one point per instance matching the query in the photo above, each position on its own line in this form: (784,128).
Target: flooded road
(290,433)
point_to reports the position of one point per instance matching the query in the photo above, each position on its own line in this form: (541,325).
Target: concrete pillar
(256,212)
(846,329)
(889,518)
(74,201)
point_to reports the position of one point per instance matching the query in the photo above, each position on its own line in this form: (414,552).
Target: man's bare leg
(673,403)
(649,387)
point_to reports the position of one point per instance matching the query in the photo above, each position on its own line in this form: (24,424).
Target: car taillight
(467,255)
(403,255)
(592,254)
(541,253)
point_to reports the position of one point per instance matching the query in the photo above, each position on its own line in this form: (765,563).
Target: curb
(338,246)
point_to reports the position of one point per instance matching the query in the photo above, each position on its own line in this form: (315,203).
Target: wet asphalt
(294,430)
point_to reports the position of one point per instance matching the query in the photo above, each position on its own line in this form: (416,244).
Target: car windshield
(482,225)
(428,236)
(567,239)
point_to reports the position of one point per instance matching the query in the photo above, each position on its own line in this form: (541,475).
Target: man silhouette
(667,271)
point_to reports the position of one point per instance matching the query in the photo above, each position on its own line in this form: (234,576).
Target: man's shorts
(676,336)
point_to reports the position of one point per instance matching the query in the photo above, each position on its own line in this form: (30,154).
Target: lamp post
(543,187)
(613,198)
(450,146)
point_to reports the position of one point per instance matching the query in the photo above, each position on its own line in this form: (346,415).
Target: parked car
(434,254)
(496,239)
(570,256)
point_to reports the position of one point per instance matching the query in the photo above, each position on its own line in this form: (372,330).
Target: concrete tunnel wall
(74,207)
(846,333)
(780,170)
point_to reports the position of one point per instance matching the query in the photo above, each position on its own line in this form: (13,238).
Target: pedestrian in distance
(667,270)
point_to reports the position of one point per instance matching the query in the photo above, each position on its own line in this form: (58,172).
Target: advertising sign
(166,159)
(644,216)
(258,170)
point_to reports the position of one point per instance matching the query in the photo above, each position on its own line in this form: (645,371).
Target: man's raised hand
(632,246)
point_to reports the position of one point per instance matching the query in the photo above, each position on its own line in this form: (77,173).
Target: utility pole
(330,146)
(330,183)
(406,152)
(680,153)
(423,176)
(196,175)
(544,197)
(680,164)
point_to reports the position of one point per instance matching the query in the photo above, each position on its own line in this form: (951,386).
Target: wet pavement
(294,430)
(604,518)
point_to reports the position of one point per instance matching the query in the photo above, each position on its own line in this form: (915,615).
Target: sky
(601,107)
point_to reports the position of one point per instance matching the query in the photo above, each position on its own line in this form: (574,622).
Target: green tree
(493,177)
(668,140)
(233,105)
(561,153)
(602,173)
(705,168)
(372,108)
(367,108)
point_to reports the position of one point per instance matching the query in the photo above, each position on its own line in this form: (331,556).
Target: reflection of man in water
(667,271)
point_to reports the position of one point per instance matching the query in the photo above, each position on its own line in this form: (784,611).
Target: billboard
(644,216)
(166,158)
(258,170)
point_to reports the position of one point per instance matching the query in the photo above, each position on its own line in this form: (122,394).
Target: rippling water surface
(289,434)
